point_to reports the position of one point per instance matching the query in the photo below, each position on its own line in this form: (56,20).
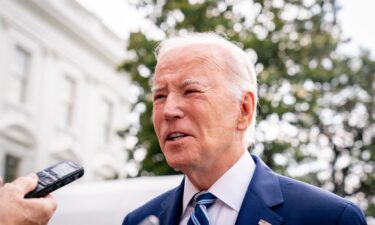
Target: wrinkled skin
(199,123)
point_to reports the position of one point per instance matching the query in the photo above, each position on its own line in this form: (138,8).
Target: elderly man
(16,210)
(204,99)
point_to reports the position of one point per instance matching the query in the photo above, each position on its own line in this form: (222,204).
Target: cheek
(224,114)
(156,121)
(223,123)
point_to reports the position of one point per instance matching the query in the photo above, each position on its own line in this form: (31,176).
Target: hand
(15,209)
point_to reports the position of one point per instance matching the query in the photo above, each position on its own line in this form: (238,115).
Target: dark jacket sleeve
(125,222)
(352,215)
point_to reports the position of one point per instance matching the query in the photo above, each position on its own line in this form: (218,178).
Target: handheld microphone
(150,220)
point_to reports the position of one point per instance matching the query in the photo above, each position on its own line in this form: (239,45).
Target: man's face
(195,114)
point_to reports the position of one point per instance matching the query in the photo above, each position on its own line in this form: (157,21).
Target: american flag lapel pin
(263,222)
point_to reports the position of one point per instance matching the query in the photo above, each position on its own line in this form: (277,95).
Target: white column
(4,55)
(89,126)
(46,104)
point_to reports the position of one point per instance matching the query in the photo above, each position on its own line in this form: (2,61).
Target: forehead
(190,61)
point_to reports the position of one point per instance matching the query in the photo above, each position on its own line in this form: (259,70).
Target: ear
(247,107)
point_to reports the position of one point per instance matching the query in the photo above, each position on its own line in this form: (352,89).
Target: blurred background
(75,84)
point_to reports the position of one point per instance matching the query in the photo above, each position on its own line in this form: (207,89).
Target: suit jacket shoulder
(281,200)
(310,203)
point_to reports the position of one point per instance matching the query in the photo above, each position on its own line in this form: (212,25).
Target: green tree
(316,105)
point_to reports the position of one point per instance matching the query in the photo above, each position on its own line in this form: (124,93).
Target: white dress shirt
(230,190)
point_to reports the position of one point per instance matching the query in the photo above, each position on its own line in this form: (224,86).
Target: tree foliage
(316,105)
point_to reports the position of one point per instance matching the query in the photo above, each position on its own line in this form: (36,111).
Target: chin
(175,165)
(178,165)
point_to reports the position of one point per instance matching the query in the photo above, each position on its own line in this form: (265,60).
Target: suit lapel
(171,208)
(263,193)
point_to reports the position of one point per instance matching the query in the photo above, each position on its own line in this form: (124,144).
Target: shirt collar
(238,177)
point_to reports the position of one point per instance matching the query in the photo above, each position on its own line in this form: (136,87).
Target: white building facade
(60,94)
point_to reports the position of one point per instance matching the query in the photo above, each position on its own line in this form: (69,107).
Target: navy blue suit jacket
(276,199)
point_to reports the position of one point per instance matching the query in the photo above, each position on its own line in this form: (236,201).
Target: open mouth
(176,136)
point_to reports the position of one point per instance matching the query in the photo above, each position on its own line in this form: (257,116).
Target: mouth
(176,136)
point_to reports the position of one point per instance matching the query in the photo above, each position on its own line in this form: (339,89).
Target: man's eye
(191,91)
(158,97)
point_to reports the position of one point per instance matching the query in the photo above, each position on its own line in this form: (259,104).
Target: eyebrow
(183,84)
(187,82)
(157,88)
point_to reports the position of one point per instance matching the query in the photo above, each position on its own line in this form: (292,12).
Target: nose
(172,108)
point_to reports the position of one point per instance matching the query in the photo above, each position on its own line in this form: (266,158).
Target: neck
(204,178)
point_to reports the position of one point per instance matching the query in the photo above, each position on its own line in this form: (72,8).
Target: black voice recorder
(55,177)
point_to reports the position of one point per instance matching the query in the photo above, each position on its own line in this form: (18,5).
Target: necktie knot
(203,200)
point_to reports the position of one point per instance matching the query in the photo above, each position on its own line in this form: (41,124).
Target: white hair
(242,77)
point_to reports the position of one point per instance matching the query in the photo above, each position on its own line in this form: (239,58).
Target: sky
(356,18)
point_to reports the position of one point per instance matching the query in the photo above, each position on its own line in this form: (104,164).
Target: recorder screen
(62,169)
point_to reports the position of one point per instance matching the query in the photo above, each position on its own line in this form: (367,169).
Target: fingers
(51,203)
(21,210)
(48,202)
(26,184)
(1,181)
(40,209)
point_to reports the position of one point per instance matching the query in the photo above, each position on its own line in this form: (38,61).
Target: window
(19,76)
(106,121)
(68,93)
(12,164)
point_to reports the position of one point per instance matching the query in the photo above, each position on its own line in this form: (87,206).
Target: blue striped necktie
(203,200)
